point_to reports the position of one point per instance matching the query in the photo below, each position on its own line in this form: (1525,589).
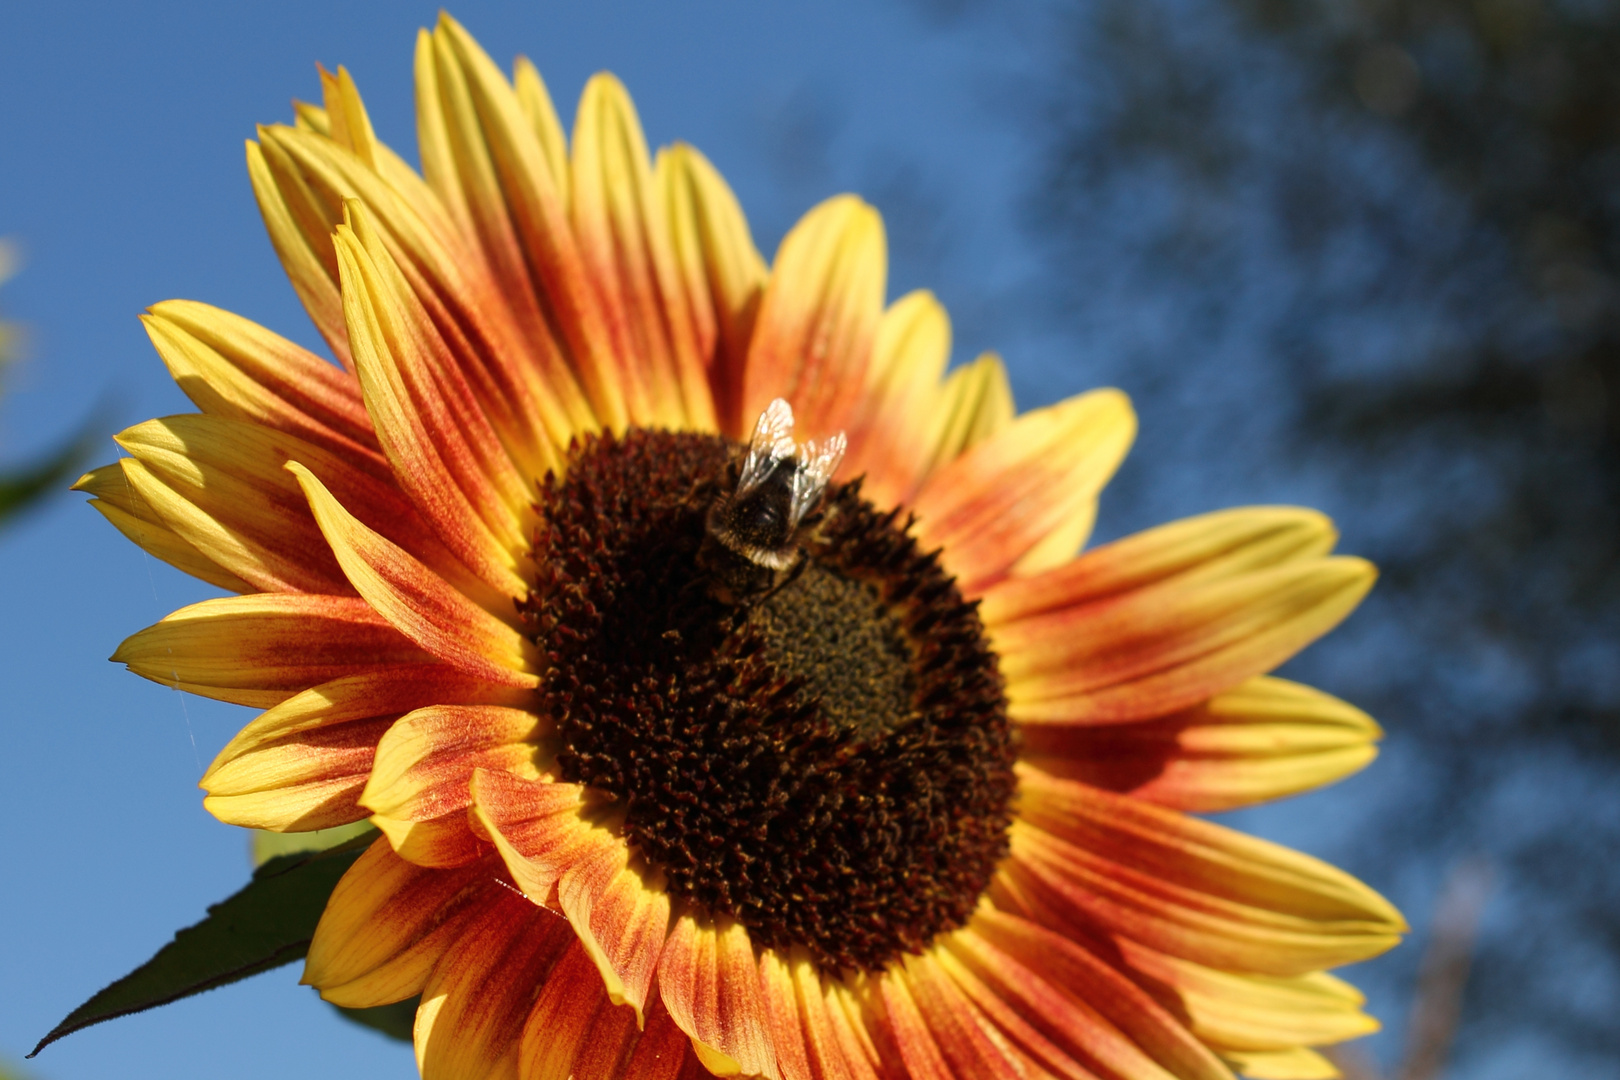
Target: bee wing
(772,442)
(816,466)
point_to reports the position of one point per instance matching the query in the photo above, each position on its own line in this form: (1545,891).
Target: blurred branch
(1442,978)
(1437,1007)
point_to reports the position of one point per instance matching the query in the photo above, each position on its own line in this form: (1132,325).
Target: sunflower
(721,673)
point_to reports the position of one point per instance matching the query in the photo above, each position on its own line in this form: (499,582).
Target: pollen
(828,761)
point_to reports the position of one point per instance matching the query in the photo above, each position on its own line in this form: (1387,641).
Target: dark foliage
(1366,255)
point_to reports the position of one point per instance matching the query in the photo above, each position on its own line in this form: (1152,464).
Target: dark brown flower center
(826,757)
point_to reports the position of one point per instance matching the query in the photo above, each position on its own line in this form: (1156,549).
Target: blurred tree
(1387,236)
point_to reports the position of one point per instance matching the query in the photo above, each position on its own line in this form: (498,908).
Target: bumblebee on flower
(724,677)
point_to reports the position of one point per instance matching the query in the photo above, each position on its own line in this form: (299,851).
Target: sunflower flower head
(721,673)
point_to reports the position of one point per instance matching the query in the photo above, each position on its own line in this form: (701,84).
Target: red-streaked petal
(485,159)
(540,828)
(1153,651)
(1195,550)
(220,483)
(710,985)
(904,1025)
(818,318)
(436,465)
(1009,1019)
(1020,959)
(1263,739)
(294,219)
(889,440)
(114,498)
(574,1032)
(233,367)
(418,792)
(1199,854)
(1231,1011)
(663,1052)
(722,273)
(262,649)
(624,237)
(830,1048)
(511,365)
(424,607)
(387,923)
(782,1015)
(620,918)
(861,1030)
(988,508)
(308,780)
(478,997)
(281,771)
(436,372)
(1186,887)
(961,1031)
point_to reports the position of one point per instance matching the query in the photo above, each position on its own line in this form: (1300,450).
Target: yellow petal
(386,925)
(232,367)
(818,318)
(297,228)
(115,499)
(975,404)
(722,272)
(1299,1063)
(889,440)
(1261,740)
(262,649)
(1151,652)
(1198,549)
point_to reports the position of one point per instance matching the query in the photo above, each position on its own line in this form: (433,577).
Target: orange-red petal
(419,790)
(1195,550)
(990,507)
(387,923)
(1085,861)
(1023,961)
(818,319)
(620,917)
(1152,651)
(1263,739)
(415,599)
(477,998)
(709,984)
(539,827)
(262,649)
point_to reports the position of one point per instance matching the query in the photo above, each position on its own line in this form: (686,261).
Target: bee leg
(787,579)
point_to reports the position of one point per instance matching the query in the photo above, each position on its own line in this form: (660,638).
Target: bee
(752,531)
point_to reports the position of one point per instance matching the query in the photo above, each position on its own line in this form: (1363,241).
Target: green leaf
(395,1021)
(267,845)
(265,925)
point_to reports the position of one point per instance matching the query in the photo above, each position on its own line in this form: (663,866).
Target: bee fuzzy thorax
(779,484)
